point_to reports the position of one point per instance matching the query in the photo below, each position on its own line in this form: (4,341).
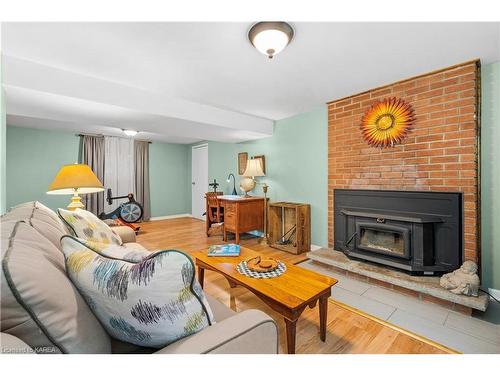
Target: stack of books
(229,250)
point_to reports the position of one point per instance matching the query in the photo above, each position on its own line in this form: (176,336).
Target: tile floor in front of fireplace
(479,333)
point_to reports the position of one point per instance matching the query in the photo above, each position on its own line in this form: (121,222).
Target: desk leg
(323,312)
(201,276)
(291,330)
(237,237)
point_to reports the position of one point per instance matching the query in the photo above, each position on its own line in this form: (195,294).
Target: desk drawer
(229,219)
(230,208)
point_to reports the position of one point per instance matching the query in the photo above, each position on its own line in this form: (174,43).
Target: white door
(199,181)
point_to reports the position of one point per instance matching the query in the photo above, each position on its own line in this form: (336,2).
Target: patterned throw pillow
(151,303)
(133,255)
(84,224)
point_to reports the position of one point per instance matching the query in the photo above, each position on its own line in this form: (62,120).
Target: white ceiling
(182,82)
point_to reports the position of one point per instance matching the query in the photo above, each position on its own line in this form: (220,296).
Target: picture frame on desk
(242,162)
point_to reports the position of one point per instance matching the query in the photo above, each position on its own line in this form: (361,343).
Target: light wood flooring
(348,330)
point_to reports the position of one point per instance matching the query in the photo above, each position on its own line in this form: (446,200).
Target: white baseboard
(169,217)
(494,292)
(315,247)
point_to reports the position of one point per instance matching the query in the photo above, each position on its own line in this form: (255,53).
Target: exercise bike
(126,213)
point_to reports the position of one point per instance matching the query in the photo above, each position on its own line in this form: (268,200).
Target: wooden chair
(214,211)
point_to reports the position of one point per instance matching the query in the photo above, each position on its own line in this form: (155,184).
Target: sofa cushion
(248,332)
(151,303)
(40,217)
(86,225)
(126,233)
(39,303)
(13,345)
(220,311)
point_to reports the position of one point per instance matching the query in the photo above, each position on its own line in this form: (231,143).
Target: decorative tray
(262,264)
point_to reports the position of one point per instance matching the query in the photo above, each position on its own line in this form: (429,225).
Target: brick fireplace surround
(440,154)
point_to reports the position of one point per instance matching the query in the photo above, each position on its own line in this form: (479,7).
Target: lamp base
(247,184)
(76,202)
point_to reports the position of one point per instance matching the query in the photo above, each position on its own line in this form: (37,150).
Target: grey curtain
(93,156)
(141,151)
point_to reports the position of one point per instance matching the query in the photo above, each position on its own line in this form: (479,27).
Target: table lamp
(75,179)
(254,169)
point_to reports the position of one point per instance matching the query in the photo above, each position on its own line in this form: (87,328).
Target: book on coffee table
(228,250)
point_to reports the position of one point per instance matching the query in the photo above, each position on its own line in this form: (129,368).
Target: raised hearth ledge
(428,285)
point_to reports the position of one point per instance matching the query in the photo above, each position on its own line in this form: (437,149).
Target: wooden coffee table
(288,294)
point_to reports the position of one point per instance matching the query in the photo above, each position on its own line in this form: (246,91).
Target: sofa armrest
(127,234)
(10,344)
(249,332)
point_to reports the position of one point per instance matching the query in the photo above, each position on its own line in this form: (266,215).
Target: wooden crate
(282,217)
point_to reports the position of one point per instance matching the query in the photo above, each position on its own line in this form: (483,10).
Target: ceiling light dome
(130,132)
(270,38)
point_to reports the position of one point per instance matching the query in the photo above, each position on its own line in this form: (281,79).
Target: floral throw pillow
(84,224)
(152,302)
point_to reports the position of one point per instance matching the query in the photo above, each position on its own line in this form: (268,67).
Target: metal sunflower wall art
(387,122)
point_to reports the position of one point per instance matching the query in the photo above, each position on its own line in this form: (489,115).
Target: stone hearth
(422,287)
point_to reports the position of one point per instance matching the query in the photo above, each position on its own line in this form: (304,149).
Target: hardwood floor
(348,330)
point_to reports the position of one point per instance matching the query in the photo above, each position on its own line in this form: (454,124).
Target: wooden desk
(242,214)
(288,294)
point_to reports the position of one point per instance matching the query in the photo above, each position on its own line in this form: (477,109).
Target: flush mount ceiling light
(270,38)
(130,132)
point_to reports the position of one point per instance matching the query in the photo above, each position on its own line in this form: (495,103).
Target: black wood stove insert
(419,232)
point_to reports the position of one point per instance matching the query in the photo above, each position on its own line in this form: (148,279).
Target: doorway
(199,179)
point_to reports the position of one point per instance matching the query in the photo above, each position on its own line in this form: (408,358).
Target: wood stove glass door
(393,240)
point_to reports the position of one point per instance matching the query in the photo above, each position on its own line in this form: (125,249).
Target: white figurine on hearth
(462,281)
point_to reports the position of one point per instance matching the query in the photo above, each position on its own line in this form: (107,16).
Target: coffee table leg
(323,312)
(201,276)
(291,328)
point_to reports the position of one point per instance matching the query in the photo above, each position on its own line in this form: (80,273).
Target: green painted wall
(222,160)
(3,153)
(296,165)
(3,145)
(170,179)
(34,156)
(490,175)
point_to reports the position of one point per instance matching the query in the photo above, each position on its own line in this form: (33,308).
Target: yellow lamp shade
(75,179)
(254,168)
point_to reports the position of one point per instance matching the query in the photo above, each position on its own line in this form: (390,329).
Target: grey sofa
(42,312)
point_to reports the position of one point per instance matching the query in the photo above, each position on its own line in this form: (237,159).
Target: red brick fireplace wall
(440,154)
